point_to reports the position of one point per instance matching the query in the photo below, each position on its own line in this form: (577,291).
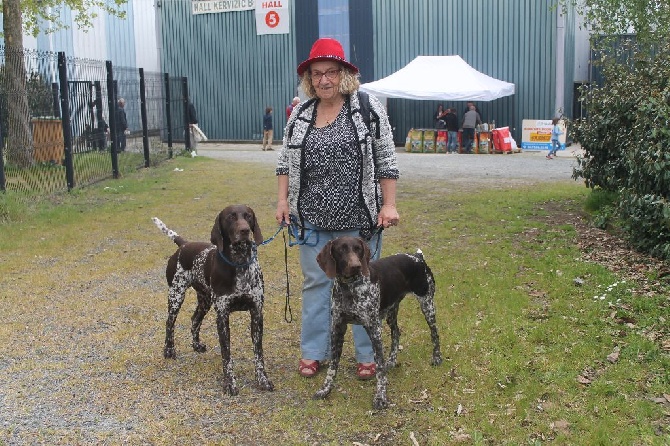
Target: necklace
(331,113)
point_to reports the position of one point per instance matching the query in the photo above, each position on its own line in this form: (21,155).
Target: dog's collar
(254,256)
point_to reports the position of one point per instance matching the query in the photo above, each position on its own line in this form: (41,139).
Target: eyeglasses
(330,74)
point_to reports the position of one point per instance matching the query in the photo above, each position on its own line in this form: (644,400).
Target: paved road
(516,168)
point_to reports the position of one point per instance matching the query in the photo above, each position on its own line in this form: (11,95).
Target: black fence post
(111,105)
(168,114)
(143,112)
(187,129)
(65,120)
(3,181)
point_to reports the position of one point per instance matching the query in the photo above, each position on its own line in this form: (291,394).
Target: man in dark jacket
(452,130)
(121,124)
(192,119)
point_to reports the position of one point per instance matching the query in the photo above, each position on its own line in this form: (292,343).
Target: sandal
(366,371)
(308,369)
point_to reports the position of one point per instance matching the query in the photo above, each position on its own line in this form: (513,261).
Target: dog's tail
(178,239)
(429,285)
(418,255)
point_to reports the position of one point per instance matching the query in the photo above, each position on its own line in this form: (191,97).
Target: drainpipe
(559,105)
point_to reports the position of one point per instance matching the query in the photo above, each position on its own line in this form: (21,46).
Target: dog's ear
(258,237)
(365,261)
(326,261)
(217,233)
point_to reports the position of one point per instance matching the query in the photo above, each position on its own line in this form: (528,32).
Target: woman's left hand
(388,216)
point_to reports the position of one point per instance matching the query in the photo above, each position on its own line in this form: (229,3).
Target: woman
(440,114)
(335,177)
(267,129)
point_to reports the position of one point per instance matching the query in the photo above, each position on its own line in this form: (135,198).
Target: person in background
(335,177)
(555,143)
(121,124)
(439,117)
(452,130)
(192,119)
(472,104)
(289,109)
(267,129)
(470,121)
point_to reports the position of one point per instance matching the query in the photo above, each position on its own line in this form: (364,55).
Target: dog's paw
(380,403)
(390,364)
(169,353)
(267,385)
(231,389)
(199,347)
(437,360)
(264,382)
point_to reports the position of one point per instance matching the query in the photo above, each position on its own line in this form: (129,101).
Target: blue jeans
(452,142)
(555,145)
(316,291)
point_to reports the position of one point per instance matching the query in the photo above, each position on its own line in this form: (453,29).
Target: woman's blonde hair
(349,82)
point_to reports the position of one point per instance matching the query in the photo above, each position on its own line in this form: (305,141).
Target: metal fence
(61,121)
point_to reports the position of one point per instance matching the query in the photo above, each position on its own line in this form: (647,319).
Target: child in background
(555,133)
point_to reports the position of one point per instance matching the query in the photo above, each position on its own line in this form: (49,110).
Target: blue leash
(265,242)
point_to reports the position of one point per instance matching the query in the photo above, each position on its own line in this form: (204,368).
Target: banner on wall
(214,6)
(536,134)
(272,17)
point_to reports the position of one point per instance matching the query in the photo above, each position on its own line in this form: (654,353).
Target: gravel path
(517,168)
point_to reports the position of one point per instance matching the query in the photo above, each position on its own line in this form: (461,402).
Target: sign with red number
(272,17)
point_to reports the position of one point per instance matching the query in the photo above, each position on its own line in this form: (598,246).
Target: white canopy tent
(439,78)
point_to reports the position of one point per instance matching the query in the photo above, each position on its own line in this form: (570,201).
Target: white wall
(101,43)
(146,35)
(582,51)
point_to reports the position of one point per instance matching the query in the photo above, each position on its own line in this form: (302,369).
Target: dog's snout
(352,266)
(245,232)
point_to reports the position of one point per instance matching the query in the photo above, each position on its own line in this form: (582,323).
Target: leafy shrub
(626,139)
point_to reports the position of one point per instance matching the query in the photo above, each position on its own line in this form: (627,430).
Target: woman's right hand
(282,215)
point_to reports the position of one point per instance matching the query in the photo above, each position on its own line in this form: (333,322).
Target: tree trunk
(18,142)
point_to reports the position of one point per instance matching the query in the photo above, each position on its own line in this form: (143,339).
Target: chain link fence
(67,122)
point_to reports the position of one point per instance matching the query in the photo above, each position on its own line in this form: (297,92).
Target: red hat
(326,49)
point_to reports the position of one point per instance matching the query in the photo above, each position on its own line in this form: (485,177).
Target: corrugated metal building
(235,73)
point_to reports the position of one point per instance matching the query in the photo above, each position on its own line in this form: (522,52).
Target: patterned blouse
(332,169)
(338,183)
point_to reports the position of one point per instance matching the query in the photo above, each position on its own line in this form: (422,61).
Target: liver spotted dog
(225,273)
(366,292)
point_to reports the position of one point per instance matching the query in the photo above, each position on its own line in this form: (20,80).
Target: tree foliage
(626,139)
(35,16)
(45,15)
(626,132)
(649,20)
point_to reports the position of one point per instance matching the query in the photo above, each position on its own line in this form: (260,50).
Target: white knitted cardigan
(378,154)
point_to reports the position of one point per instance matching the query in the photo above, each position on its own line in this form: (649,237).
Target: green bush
(626,139)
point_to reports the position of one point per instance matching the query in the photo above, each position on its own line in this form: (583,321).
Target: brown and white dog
(365,292)
(225,273)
